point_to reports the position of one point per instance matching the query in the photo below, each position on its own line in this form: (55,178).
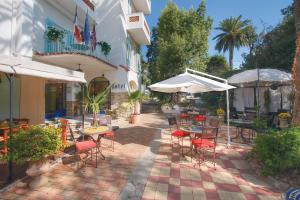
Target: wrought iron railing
(68,45)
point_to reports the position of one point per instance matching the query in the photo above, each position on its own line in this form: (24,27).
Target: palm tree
(234,32)
(93,103)
(296,66)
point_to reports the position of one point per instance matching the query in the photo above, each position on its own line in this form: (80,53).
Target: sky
(263,13)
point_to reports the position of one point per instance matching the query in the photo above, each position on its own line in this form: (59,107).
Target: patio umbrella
(260,77)
(270,76)
(191,83)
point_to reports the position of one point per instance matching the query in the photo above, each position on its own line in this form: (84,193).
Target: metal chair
(86,145)
(206,144)
(179,134)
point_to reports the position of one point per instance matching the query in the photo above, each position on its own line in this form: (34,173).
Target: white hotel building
(23,23)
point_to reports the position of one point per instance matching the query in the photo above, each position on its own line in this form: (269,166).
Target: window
(128,53)
(129,6)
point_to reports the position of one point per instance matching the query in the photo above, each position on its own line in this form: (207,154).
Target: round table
(96,133)
(197,131)
(241,124)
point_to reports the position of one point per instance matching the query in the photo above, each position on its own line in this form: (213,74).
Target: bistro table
(241,125)
(194,131)
(96,133)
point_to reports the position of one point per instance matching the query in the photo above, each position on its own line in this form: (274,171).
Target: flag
(76,29)
(86,32)
(93,38)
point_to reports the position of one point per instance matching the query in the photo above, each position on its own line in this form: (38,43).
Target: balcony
(69,54)
(143,6)
(138,28)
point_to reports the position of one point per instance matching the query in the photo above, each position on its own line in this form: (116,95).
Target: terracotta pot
(283,123)
(135,118)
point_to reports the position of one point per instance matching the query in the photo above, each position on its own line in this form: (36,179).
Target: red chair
(176,133)
(200,119)
(85,145)
(111,135)
(184,117)
(206,145)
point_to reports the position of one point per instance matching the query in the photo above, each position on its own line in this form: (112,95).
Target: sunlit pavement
(144,166)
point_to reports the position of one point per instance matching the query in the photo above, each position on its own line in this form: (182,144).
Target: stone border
(137,180)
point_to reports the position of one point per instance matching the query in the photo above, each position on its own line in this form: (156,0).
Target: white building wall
(5,24)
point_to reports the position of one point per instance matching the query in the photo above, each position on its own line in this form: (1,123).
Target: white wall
(244,97)
(5,26)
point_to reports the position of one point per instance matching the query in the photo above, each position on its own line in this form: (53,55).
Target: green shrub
(278,151)
(36,143)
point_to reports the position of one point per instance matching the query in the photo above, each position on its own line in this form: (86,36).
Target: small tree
(94,103)
(135,98)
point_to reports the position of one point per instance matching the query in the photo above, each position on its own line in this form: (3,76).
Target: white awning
(265,75)
(16,65)
(189,83)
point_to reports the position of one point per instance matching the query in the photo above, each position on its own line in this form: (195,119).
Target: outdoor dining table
(194,132)
(96,133)
(241,125)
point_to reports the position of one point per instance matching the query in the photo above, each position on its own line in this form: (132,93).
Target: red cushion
(85,145)
(109,134)
(184,116)
(179,133)
(200,118)
(203,143)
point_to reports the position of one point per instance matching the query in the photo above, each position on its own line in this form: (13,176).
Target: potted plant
(134,99)
(35,145)
(221,113)
(105,47)
(54,34)
(284,119)
(94,103)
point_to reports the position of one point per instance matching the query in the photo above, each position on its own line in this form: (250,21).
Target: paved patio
(144,166)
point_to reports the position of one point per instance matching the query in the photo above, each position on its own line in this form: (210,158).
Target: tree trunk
(296,67)
(231,51)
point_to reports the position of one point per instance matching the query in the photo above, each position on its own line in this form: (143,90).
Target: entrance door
(55,100)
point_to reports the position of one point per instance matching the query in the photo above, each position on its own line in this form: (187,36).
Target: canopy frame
(9,76)
(227,98)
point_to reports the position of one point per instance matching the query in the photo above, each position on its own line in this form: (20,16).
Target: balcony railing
(68,45)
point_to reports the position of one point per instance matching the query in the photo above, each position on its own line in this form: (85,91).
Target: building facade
(120,26)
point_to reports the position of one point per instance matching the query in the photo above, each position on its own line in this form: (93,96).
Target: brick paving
(176,177)
(170,176)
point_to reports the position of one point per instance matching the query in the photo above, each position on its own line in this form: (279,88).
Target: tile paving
(165,174)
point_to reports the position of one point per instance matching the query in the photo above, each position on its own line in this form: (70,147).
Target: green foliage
(260,123)
(278,151)
(94,103)
(36,143)
(235,33)
(135,97)
(275,46)
(179,41)
(54,34)
(217,65)
(105,47)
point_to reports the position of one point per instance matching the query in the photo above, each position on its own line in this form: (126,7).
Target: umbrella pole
(228,119)
(10,153)
(82,109)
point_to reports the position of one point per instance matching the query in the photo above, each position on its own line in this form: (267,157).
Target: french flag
(76,29)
